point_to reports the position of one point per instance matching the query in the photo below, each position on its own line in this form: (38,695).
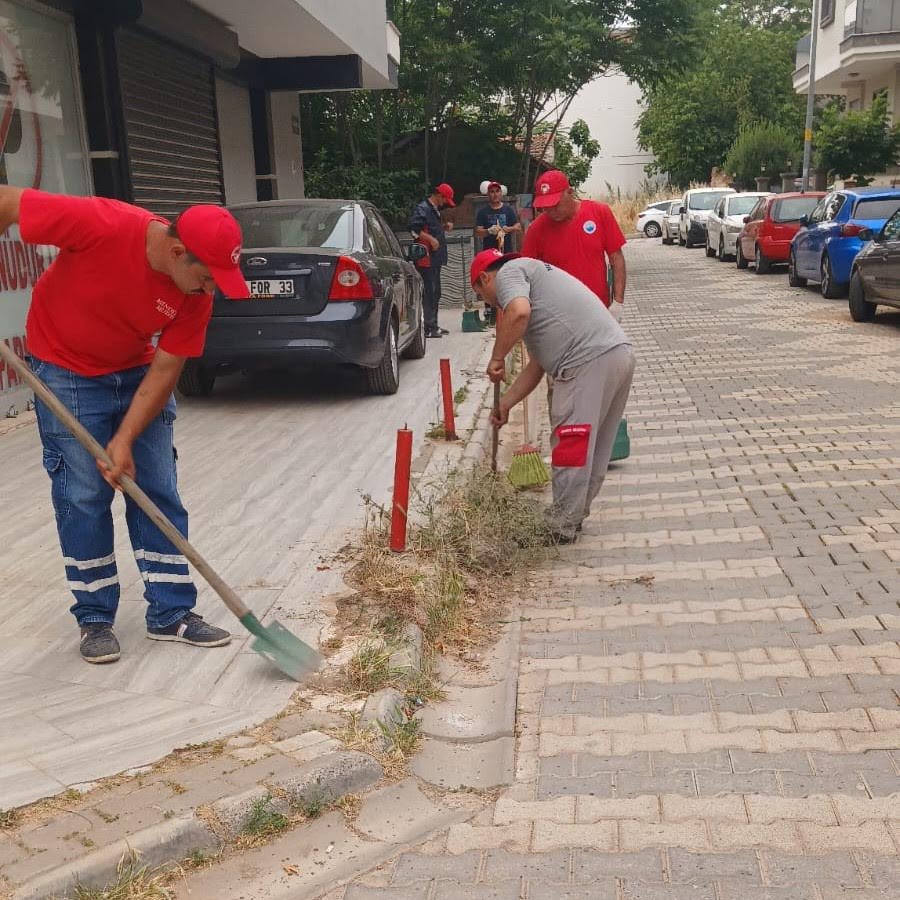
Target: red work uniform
(578,246)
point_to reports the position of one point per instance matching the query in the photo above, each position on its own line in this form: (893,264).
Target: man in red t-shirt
(111,323)
(577,236)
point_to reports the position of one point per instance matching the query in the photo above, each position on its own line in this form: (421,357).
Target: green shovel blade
(285,650)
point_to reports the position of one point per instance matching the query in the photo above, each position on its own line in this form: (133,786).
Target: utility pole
(811,94)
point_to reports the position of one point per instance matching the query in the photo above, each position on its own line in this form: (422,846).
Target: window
(818,214)
(661,206)
(706,199)
(43,144)
(876,207)
(720,208)
(826,17)
(740,205)
(793,209)
(380,243)
(892,228)
(833,207)
(313,225)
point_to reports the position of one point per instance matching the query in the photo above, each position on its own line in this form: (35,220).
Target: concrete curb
(323,781)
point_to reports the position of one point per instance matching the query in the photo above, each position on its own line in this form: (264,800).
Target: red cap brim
(230,282)
(497,259)
(449,201)
(544,201)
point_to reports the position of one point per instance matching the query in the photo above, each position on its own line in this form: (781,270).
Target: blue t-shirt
(488,217)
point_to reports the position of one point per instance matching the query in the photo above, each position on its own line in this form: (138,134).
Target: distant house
(858,56)
(611,105)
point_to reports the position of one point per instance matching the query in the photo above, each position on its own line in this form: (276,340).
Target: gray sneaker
(98,643)
(191,630)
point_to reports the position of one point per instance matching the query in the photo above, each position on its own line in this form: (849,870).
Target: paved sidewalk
(707,708)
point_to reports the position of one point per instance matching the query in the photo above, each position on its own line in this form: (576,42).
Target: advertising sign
(41,145)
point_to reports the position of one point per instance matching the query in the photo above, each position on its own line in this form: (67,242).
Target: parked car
(875,278)
(769,228)
(670,222)
(725,222)
(650,219)
(824,248)
(696,205)
(329,285)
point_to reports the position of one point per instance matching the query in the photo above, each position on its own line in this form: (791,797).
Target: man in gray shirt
(572,336)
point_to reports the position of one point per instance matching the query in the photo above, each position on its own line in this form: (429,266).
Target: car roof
(705,189)
(793,195)
(871,192)
(299,201)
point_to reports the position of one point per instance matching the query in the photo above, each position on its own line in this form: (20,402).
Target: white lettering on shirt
(164,308)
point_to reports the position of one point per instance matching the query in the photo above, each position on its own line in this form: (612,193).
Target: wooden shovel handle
(84,437)
(495,436)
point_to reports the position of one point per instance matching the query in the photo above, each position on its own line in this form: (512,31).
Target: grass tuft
(133,882)
(263,821)
(369,669)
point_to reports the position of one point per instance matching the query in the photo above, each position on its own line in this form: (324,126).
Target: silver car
(670,223)
(726,221)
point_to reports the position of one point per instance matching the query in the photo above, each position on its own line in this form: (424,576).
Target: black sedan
(875,278)
(329,285)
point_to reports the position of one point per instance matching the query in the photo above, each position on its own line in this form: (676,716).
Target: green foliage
(393,192)
(741,78)
(762,145)
(508,68)
(263,821)
(574,151)
(857,142)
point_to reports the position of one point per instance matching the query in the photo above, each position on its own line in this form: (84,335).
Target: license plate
(268,288)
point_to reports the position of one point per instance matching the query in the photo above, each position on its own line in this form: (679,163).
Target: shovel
(285,650)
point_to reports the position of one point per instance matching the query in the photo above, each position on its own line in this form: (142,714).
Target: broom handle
(156,515)
(495,436)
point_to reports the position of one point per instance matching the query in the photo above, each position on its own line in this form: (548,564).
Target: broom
(527,468)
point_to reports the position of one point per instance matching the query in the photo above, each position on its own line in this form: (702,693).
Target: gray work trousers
(588,402)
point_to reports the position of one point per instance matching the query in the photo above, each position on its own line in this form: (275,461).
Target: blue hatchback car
(824,248)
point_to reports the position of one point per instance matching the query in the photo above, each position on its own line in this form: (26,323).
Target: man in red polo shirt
(111,323)
(577,236)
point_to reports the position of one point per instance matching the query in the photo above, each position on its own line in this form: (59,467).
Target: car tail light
(851,230)
(350,281)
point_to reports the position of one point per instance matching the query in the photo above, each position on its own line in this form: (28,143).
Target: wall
(236,141)
(287,149)
(611,105)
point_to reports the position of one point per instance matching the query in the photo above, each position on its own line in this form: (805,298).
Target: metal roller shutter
(170,120)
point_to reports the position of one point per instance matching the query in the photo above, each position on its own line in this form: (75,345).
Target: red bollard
(447,391)
(400,507)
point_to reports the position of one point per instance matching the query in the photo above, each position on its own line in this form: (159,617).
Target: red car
(767,232)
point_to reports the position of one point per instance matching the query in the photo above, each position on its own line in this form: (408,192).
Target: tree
(857,142)
(574,150)
(761,148)
(741,78)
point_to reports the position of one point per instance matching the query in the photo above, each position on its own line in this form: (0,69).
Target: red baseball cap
(495,184)
(446,192)
(213,235)
(486,258)
(549,188)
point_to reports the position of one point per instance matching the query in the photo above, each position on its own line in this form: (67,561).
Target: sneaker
(434,333)
(98,643)
(443,331)
(191,630)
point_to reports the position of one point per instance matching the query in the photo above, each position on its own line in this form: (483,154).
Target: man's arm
(528,379)
(516,224)
(617,264)
(148,402)
(510,330)
(10,199)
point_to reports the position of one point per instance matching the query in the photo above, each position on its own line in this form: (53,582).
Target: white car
(725,222)
(670,222)
(650,219)
(696,205)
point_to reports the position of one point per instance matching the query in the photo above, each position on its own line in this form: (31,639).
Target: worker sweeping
(111,324)
(574,338)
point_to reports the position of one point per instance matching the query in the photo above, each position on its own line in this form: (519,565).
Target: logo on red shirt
(590,226)
(164,308)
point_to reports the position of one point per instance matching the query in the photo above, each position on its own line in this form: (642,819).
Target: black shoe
(434,333)
(443,331)
(191,630)
(98,643)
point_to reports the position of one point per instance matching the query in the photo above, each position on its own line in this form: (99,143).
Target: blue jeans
(82,499)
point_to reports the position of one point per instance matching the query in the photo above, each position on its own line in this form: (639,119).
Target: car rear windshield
(876,208)
(793,209)
(706,200)
(329,227)
(740,206)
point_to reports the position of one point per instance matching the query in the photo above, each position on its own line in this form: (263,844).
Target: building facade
(858,56)
(166,103)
